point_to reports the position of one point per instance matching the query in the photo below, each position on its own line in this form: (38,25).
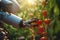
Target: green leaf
(56,10)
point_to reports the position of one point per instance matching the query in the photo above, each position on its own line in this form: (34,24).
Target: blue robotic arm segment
(11,19)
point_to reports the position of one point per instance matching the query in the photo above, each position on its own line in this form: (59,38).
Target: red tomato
(39,22)
(44,13)
(41,30)
(43,38)
(47,21)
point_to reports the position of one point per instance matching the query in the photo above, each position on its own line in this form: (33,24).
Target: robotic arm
(15,20)
(8,8)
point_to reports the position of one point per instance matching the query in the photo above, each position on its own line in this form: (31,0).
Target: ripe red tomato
(43,38)
(44,13)
(47,21)
(39,22)
(41,30)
